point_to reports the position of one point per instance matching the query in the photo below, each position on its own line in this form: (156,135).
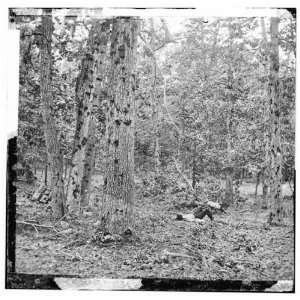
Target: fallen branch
(166,252)
(36,225)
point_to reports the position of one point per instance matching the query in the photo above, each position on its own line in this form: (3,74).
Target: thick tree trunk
(275,145)
(116,206)
(89,91)
(54,153)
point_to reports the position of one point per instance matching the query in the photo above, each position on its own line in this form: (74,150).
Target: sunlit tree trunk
(117,202)
(275,145)
(54,154)
(88,94)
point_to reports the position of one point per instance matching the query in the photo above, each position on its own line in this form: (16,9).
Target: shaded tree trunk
(46,174)
(117,202)
(275,145)
(89,90)
(54,154)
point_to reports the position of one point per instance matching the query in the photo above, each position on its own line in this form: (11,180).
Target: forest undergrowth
(236,245)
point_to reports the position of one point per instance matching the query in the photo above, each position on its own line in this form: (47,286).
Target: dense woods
(170,149)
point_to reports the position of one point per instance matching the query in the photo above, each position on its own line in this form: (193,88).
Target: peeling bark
(89,91)
(117,203)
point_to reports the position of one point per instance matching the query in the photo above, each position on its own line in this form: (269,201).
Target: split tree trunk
(89,90)
(275,145)
(54,154)
(116,206)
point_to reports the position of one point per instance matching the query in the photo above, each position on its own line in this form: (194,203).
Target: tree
(275,143)
(54,152)
(89,91)
(116,206)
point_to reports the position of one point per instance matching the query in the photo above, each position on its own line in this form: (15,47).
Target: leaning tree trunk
(55,157)
(275,145)
(89,90)
(117,203)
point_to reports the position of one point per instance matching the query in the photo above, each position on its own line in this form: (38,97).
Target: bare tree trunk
(46,174)
(275,145)
(54,153)
(267,136)
(155,119)
(194,165)
(88,165)
(229,195)
(89,90)
(117,202)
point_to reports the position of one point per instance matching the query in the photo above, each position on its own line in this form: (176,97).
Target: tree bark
(89,91)
(267,137)
(117,202)
(155,119)
(229,195)
(274,102)
(54,153)
(194,165)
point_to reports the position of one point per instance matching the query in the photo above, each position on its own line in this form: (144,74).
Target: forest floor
(236,245)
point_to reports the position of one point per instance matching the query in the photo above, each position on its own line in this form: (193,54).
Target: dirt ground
(236,245)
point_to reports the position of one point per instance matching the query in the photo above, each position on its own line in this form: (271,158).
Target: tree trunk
(264,191)
(54,153)
(275,145)
(267,134)
(155,119)
(89,90)
(46,174)
(117,202)
(88,165)
(229,195)
(258,175)
(194,165)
